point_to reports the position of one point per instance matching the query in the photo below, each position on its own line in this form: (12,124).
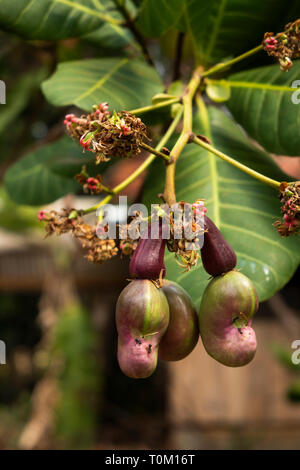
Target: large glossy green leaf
(110,37)
(52,19)
(113,36)
(293,11)
(243,208)
(124,83)
(158,16)
(45,174)
(16,217)
(19,95)
(261,101)
(220,28)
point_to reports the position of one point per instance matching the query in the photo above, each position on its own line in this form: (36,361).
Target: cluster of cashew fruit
(158,319)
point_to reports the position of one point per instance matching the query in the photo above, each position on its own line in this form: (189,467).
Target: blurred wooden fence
(213,405)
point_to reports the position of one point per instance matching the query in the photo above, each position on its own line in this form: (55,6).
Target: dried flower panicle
(100,249)
(290,200)
(68,221)
(127,244)
(90,184)
(106,135)
(57,222)
(284,46)
(187,258)
(121,135)
(77,126)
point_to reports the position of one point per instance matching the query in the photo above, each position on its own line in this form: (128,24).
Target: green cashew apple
(183,332)
(142,317)
(227,307)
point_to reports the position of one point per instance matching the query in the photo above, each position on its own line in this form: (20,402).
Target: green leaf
(46,174)
(243,208)
(113,36)
(109,36)
(16,217)
(224,27)
(293,11)
(124,83)
(52,19)
(261,101)
(176,88)
(19,95)
(218,91)
(158,16)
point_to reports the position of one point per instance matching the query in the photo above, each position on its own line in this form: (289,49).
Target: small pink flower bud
(271,41)
(125,129)
(85,143)
(69,117)
(199,208)
(92,183)
(103,106)
(42,215)
(100,231)
(289,221)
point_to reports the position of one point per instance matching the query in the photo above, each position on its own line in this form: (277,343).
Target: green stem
(224,65)
(153,107)
(264,179)
(141,168)
(154,151)
(107,190)
(169,191)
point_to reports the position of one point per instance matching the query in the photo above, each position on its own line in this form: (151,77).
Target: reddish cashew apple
(225,316)
(183,332)
(142,317)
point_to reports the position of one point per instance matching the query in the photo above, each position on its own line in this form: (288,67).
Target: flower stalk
(260,177)
(225,65)
(117,189)
(155,106)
